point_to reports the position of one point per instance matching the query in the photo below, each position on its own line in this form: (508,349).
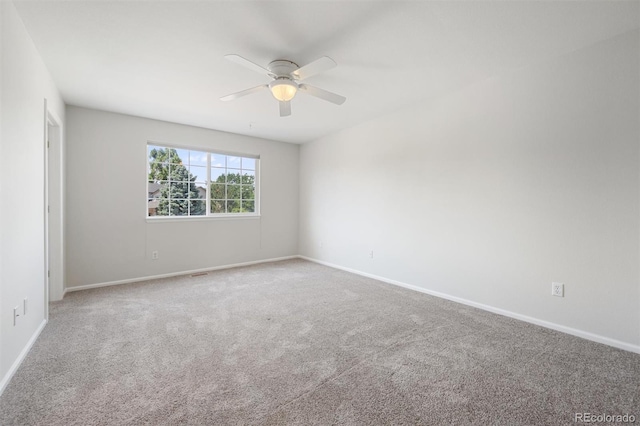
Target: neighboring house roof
(153,187)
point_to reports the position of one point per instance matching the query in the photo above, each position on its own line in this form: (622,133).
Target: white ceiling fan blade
(285,108)
(244,93)
(319,65)
(248,64)
(322,94)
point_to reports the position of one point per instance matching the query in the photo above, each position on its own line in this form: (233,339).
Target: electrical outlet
(24,306)
(15,315)
(371,254)
(154,255)
(557,289)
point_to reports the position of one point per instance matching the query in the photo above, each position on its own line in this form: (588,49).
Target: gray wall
(493,192)
(24,86)
(108,237)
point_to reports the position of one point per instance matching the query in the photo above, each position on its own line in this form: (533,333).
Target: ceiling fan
(286,77)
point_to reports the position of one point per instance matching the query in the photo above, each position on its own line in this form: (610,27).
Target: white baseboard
(174,274)
(7,377)
(564,329)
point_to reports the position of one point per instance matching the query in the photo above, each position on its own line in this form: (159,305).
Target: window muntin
(184,183)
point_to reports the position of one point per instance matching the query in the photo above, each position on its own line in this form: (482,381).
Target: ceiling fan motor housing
(282,68)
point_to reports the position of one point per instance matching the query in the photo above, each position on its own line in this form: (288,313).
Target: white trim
(16,364)
(201,149)
(219,216)
(176,274)
(54,140)
(564,329)
(47,268)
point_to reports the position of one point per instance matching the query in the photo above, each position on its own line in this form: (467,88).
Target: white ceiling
(164,60)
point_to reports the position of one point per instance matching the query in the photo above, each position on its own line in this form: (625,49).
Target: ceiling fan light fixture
(283,89)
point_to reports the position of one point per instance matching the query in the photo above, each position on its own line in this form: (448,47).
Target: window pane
(233,206)
(248,206)
(157,209)
(178,173)
(233,177)
(233,192)
(152,205)
(248,177)
(248,192)
(233,162)
(198,191)
(163,205)
(170,170)
(218,160)
(164,191)
(178,207)
(248,163)
(217,206)
(218,175)
(198,172)
(197,208)
(179,156)
(197,158)
(179,190)
(155,188)
(157,153)
(157,168)
(217,191)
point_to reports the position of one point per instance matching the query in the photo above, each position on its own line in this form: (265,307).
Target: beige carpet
(294,342)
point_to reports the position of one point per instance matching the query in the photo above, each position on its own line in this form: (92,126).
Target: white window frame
(208,216)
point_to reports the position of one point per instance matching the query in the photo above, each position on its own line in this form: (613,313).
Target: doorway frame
(53,209)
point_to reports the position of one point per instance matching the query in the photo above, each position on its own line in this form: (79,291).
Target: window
(185,182)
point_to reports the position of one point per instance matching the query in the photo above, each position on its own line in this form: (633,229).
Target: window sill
(163,219)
